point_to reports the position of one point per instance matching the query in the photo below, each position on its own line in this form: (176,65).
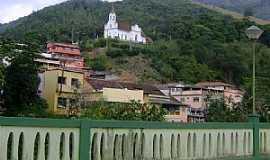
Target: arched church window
(136,37)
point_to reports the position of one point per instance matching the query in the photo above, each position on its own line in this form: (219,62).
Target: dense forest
(191,43)
(259,8)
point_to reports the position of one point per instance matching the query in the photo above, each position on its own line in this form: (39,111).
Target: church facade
(123,30)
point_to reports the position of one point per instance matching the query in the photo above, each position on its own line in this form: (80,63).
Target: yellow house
(122,95)
(112,91)
(61,88)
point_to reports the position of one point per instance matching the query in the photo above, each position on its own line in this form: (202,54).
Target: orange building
(68,54)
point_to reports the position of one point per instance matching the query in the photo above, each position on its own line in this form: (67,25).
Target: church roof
(124,25)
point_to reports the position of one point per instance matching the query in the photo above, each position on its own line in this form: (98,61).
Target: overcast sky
(13,9)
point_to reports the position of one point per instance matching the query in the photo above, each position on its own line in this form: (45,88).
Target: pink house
(231,93)
(197,99)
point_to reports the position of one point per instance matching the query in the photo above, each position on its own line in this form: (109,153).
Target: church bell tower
(112,15)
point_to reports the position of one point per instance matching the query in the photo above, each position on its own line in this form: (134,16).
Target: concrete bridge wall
(47,139)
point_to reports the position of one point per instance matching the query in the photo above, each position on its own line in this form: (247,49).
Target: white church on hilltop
(123,30)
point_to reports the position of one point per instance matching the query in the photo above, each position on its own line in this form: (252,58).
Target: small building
(61,88)
(196,99)
(98,90)
(123,30)
(68,55)
(232,94)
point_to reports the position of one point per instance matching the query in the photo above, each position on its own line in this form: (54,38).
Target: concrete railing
(47,139)
(149,144)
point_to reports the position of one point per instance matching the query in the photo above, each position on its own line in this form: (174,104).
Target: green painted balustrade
(52,139)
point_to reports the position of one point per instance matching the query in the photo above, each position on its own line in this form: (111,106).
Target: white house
(123,30)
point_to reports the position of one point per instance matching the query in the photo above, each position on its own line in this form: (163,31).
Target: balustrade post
(85,140)
(254,119)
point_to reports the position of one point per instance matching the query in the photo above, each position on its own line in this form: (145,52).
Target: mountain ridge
(260,8)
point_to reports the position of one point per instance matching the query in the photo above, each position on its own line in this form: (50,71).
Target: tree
(99,63)
(120,111)
(219,111)
(76,102)
(6,52)
(21,86)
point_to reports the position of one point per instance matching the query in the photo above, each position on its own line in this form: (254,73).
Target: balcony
(200,113)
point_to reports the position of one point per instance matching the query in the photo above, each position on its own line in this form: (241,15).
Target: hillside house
(61,55)
(231,93)
(68,54)
(121,92)
(195,98)
(60,89)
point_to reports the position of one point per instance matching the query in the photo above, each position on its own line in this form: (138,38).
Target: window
(62,102)
(182,99)
(61,80)
(72,103)
(196,99)
(75,82)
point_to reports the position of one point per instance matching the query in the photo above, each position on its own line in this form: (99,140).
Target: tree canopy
(118,111)
(20,79)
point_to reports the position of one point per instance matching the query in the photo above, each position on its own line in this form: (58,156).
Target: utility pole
(72,35)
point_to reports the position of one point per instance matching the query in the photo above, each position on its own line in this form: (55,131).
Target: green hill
(191,43)
(260,8)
